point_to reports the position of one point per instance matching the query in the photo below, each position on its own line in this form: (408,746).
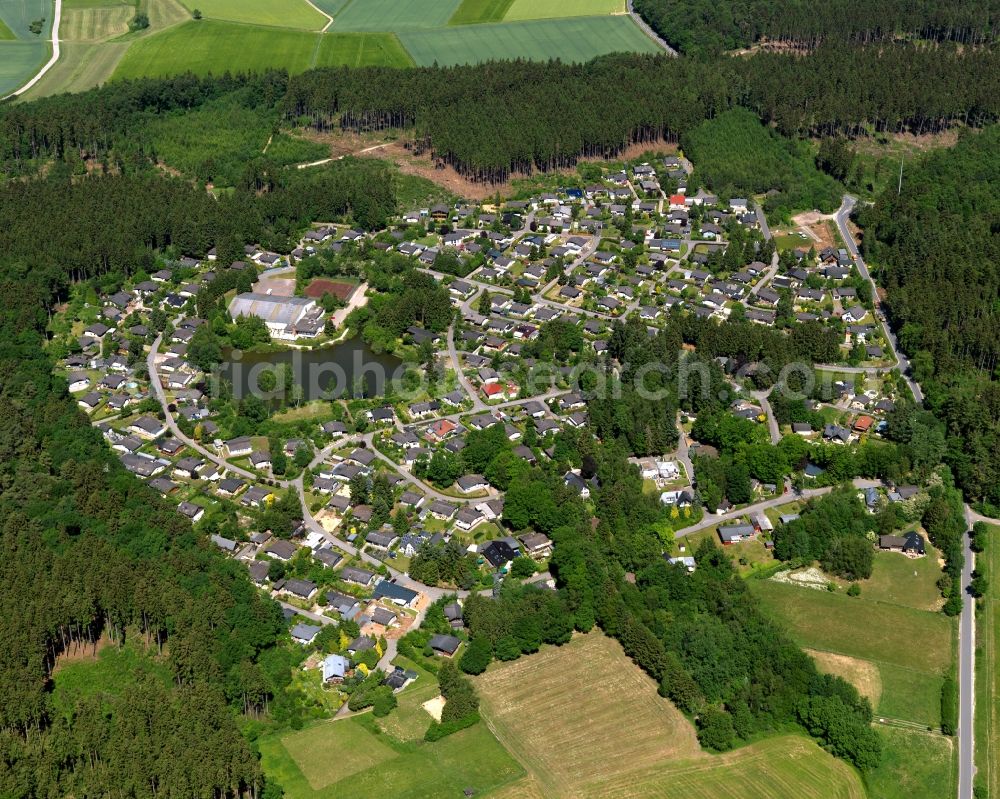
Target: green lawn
(573,40)
(5,31)
(905,581)
(911,648)
(472,12)
(345,758)
(211,46)
(278,13)
(859,627)
(394,15)
(915,765)
(550,9)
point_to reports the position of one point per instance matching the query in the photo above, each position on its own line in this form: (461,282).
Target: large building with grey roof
(285,317)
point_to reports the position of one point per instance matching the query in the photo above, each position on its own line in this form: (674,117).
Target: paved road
(51,62)
(843,214)
(649,31)
(157,386)
(772,423)
(711,520)
(456,363)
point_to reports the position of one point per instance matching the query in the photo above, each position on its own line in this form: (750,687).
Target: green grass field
(215,47)
(394,15)
(346,758)
(905,581)
(573,40)
(362,50)
(6,33)
(552,9)
(911,648)
(988,670)
(861,628)
(277,13)
(86,675)
(915,765)
(473,12)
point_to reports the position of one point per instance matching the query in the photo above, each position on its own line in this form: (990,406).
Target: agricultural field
(208,46)
(94,23)
(277,13)
(474,12)
(571,39)
(22,53)
(552,9)
(94,38)
(586,722)
(393,15)
(253,35)
(912,649)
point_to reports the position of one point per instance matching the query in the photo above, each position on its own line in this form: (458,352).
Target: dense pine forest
(89,551)
(484,120)
(938,245)
(701,27)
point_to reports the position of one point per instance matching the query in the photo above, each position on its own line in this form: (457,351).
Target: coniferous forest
(704,27)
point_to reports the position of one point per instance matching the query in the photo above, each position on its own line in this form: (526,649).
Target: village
(328,502)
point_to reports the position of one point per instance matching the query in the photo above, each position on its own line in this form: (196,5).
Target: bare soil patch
(278,286)
(434,707)
(321,286)
(862,674)
(82,652)
(425,166)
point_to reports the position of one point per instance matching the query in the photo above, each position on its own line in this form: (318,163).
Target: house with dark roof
(499,554)
(394,593)
(734,533)
(305,633)
(351,574)
(445,645)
